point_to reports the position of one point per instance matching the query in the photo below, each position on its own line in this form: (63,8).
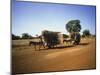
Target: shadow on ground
(61,47)
(84,44)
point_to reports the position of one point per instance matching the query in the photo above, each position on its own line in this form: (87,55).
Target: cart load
(51,38)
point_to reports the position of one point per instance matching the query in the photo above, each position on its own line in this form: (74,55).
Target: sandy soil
(26,60)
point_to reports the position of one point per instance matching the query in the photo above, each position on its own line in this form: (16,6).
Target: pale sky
(32,17)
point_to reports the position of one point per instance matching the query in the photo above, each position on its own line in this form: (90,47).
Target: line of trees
(73,27)
(14,37)
(24,36)
(85,33)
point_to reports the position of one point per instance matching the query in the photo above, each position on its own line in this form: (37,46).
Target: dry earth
(26,60)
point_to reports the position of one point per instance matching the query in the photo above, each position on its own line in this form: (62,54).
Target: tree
(86,33)
(74,27)
(26,36)
(14,37)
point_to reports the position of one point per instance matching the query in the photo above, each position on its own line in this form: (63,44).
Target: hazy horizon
(32,17)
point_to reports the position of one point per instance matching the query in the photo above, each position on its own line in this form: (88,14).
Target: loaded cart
(51,38)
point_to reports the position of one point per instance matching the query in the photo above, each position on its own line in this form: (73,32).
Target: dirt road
(27,60)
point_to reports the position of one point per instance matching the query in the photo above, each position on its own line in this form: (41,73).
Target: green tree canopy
(86,33)
(73,26)
(26,36)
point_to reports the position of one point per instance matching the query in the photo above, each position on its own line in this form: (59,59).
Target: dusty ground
(26,60)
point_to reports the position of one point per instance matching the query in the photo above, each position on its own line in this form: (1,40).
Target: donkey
(35,43)
(69,41)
